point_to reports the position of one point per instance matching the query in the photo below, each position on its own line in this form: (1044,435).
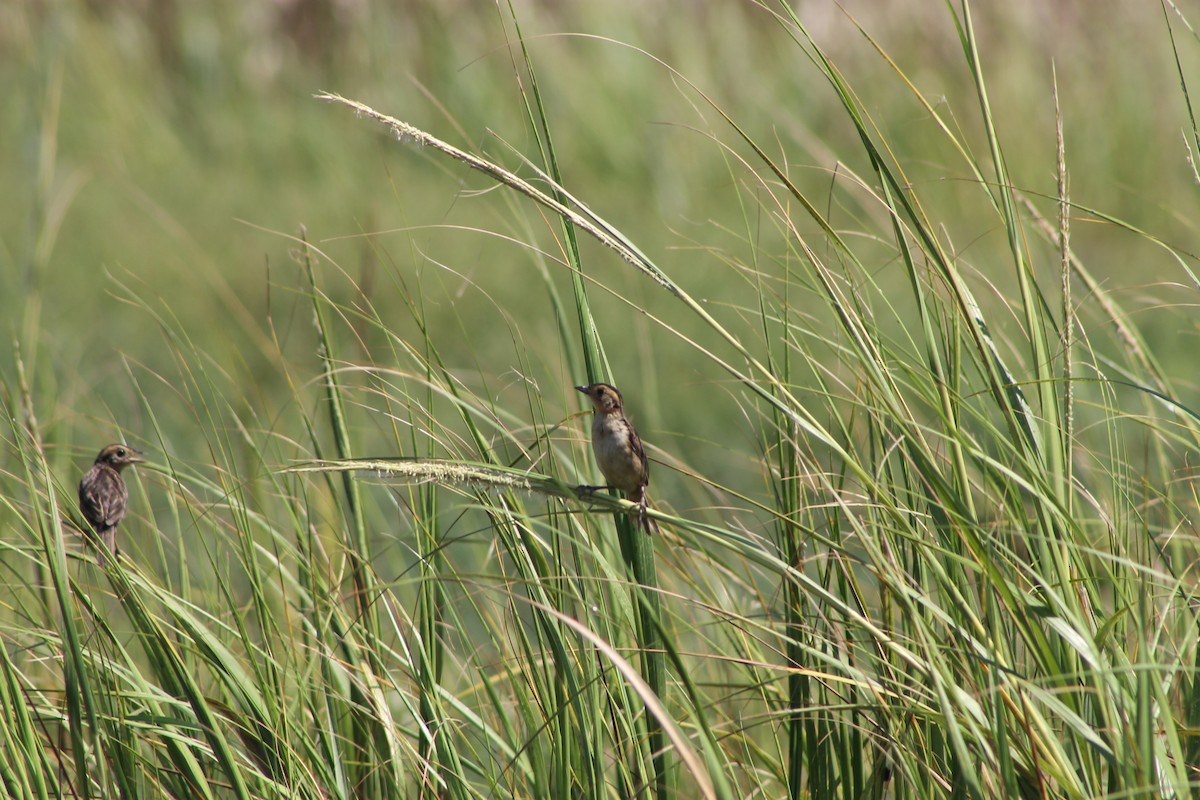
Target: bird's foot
(647,523)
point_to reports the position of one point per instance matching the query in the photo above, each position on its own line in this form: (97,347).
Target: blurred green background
(159,155)
(161,158)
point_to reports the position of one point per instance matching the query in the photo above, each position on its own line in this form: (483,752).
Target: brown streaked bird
(103,498)
(617,446)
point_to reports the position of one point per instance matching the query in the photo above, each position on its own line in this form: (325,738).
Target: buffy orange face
(119,456)
(605,398)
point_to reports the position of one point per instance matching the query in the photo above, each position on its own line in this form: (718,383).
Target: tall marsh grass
(925,508)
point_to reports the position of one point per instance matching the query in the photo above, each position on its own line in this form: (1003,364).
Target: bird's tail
(108,544)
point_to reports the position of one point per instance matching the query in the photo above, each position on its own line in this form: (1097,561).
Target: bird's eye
(120,452)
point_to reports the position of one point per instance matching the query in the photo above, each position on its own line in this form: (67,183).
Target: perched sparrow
(103,498)
(617,447)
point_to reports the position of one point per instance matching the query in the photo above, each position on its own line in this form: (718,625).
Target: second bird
(103,497)
(618,448)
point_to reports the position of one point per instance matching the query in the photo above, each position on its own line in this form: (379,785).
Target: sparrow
(617,446)
(103,498)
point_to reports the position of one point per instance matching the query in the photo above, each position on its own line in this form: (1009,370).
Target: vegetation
(900,304)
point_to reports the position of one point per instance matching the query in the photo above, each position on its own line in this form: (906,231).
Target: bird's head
(119,456)
(605,398)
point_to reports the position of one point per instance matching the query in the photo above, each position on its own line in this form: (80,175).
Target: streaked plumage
(103,497)
(618,448)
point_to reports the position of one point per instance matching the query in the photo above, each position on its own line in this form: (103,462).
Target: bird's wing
(91,503)
(103,501)
(640,452)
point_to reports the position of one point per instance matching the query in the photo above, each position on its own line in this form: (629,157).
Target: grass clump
(924,499)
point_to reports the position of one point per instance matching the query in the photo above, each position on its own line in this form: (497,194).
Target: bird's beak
(137,456)
(583,389)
